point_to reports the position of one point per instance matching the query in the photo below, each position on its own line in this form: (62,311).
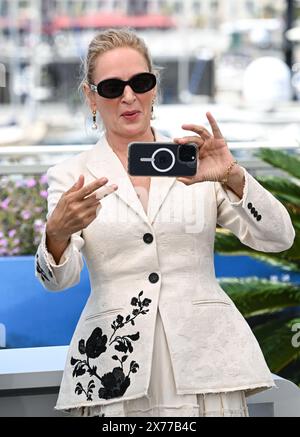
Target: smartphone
(162,159)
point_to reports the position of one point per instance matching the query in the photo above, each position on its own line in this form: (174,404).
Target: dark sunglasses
(112,88)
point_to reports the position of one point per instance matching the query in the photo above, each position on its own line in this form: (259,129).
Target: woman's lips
(131,115)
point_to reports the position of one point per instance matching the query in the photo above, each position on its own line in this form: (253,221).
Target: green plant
(272,308)
(23,208)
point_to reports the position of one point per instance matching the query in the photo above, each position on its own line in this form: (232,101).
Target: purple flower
(44,179)
(4,204)
(25,215)
(12,233)
(16,241)
(38,227)
(3,242)
(1,234)
(44,194)
(31,183)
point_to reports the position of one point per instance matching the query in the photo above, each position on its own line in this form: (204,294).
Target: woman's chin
(134,131)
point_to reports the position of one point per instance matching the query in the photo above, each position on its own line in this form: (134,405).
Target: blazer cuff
(49,257)
(57,276)
(43,267)
(232,197)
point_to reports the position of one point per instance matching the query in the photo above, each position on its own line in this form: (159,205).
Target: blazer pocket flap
(104,313)
(201,302)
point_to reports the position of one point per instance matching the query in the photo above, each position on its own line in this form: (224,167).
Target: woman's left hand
(214,156)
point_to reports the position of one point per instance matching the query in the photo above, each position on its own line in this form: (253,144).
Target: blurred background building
(202,43)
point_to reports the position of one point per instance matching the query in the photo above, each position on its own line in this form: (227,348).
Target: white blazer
(138,262)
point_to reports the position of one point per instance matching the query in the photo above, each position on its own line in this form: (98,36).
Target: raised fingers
(78,184)
(105,191)
(200,130)
(90,201)
(189,139)
(214,126)
(90,188)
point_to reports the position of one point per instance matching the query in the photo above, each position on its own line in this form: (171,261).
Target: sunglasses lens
(110,88)
(141,83)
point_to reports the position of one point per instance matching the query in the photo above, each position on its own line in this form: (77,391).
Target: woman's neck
(120,144)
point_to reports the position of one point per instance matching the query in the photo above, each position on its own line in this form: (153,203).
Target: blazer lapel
(102,161)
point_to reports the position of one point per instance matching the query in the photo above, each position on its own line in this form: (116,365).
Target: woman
(158,336)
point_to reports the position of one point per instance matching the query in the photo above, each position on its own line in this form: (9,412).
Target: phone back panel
(158,159)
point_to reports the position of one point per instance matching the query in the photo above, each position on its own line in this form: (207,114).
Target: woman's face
(129,115)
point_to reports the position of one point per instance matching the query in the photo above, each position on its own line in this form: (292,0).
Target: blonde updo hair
(108,40)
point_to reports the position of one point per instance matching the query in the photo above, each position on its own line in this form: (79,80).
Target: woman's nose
(128,94)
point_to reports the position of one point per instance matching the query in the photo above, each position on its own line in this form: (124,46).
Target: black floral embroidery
(116,382)
(95,345)
(79,389)
(41,271)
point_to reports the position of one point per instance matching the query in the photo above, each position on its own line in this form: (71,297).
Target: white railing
(37,159)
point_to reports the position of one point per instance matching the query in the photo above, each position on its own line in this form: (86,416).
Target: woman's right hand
(76,209)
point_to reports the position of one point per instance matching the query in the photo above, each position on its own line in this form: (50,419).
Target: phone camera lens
(186,153)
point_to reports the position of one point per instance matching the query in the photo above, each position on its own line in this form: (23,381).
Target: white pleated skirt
(162,399)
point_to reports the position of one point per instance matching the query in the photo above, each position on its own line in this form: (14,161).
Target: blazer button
(255,214)
(153,278)
(252,210)
(148,238)
(258,218)
(249,205)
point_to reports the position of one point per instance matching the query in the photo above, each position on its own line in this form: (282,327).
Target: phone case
(161,159)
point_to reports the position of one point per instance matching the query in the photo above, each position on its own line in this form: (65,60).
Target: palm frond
(254,296)
(295,217)
(275,339)
(292,372)
(272,308)
(284,189)
(228,244)
(284,161)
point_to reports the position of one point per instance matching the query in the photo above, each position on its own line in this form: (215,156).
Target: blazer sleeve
(259,220)
(66,273)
